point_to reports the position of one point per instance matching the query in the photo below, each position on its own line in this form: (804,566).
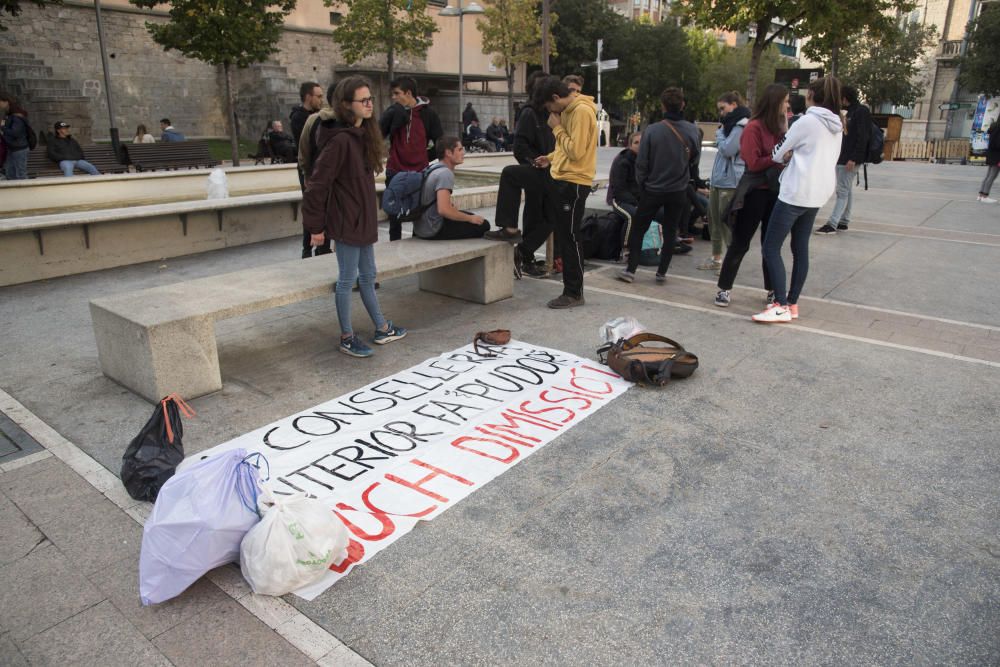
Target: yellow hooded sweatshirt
(575,157)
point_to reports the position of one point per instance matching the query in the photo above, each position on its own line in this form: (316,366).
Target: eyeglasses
(367,101)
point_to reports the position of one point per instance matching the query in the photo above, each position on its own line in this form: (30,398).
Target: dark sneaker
(626,276)
(682,249)
(355,347)
(827,229)
(501,234)
(660,278)
(390,334)
(722,298)
(566,301)
(841,226)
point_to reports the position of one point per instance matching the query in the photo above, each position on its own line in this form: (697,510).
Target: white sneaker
(986,200)
(773,313)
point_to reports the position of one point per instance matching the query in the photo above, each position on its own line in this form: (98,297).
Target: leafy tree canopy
(885,65)
(512,32)
(981,64)
(383,26)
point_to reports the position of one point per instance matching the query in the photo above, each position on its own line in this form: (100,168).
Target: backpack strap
(687,149)
(647,337)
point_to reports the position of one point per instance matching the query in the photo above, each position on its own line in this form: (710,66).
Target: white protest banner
(407,447)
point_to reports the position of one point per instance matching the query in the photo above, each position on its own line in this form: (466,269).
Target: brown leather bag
(495,337)
(650,364)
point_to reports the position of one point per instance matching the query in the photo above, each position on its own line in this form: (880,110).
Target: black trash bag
(153,456)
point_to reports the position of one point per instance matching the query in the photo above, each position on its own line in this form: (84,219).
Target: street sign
(949,106)
(609,65)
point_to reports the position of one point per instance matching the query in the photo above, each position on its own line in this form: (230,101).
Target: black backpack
(601,235)
(876,145)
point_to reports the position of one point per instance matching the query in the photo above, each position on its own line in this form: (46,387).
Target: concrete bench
(161,340)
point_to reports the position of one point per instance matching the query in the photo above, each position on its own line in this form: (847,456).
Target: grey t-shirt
(429,224)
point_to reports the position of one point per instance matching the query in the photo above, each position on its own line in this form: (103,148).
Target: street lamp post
(115,142)
(460,12)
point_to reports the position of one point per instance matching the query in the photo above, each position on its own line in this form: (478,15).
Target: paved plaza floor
(824,492)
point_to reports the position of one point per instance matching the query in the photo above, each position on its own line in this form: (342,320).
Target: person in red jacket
(766,128)
(339,203)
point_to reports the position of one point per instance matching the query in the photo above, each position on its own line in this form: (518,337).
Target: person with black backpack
(18,137)
(853,154)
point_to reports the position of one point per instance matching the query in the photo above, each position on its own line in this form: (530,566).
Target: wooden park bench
(101,156)
(170,155)
(161,340)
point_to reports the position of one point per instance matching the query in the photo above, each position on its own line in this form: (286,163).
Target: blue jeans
(841,212)
(356,263)
(799,221)
(16,165)
(68,165)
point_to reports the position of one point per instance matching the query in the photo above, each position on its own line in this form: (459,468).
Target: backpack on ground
(600,235)
(402,197)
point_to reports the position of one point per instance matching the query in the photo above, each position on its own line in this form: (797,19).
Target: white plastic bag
(200,518)
(218,184)
(620,327)
(293,545)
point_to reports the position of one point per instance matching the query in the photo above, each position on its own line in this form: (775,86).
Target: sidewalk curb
(294,626)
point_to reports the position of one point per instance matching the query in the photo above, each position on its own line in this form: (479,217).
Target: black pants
(307,246)
(755,213)
(565,203)
(674,205)
(395,226)
(452,230)
(532,181)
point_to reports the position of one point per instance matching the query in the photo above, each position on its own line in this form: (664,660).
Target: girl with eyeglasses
(339,203)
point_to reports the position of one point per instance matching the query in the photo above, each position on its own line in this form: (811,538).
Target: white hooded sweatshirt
(811,175)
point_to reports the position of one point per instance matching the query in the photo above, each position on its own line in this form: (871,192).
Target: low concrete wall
(40,247)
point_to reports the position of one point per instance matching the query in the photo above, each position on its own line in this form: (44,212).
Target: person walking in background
(726,173)
(810,151)
(339,204)
(169,132)
(468,115)
(142,136)
(411,127)
(759,186)
(573,119)
(853,151)
(667,163)
(65,151)
(15,138)
(992,164)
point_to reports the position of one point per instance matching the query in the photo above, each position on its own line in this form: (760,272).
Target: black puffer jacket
(64,149)
(532,137)
(993,148)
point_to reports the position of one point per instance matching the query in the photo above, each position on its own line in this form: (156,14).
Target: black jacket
(854,144)
(63,149)
(624,187)
(663,164)
(532,137)
(993,148)
(15,132)
(297,120)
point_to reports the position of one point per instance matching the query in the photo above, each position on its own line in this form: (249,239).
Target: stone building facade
(50,59)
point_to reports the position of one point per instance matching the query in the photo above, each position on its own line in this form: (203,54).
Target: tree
(581,23)
(980,66)
(647,67)
(512,31)
(726,71)
(383,26)
(824,21)
(221,32)
(835,28)
(13,7)
(885,66)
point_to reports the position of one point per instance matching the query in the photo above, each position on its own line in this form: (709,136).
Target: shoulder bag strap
(687,149)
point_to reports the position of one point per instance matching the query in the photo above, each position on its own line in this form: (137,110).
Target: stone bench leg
(177,357)
(480,280)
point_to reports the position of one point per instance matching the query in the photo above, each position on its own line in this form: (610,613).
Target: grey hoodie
(811,175)
(662,165)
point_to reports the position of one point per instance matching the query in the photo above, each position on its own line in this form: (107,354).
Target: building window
(335,18)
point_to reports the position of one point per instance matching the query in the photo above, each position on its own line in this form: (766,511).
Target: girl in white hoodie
(810,149)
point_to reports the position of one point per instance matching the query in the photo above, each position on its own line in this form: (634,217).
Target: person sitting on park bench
(67,153)
(282,144)
(170,133)
(441,220)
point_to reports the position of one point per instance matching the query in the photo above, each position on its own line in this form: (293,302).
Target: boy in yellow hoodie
(573,119)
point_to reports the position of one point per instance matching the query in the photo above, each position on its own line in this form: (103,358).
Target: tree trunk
(391,46)
(545,35)
(835,59)
(758,50)
(510,94)
(234,141)
(391,64)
